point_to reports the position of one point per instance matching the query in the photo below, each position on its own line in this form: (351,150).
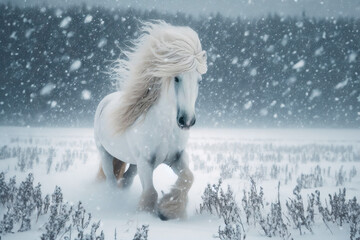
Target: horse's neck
(160,124)
(163,123)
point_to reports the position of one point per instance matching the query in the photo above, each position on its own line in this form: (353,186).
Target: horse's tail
(119,170)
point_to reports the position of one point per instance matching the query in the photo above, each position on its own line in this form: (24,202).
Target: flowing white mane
(161,52)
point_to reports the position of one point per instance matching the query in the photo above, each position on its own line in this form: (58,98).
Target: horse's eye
(200,81)
(177,79)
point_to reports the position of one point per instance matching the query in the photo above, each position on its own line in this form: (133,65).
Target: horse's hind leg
(119,168)
(124,177)
(128,176)
(107,167)
(101,175)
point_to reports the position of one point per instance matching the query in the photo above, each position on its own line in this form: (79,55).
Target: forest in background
(263,72)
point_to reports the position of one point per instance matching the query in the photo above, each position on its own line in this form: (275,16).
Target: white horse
(146,122)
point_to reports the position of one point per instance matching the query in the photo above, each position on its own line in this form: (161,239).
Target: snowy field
(324,160)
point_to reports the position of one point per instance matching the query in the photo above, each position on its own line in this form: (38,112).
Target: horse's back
(105,102)
(105,136)
(98,121)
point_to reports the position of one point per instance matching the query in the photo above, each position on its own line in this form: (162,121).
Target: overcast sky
(243,8)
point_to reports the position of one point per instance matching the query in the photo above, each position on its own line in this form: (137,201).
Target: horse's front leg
(173,204)
(149,195)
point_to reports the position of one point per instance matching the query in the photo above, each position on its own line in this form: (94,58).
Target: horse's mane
(161,52)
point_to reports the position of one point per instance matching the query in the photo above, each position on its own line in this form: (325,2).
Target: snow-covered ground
(266,155)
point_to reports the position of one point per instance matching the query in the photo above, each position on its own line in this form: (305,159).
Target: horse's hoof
(162,216)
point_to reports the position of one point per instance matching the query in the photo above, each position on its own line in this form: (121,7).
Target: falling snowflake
(319,51)
(253,72)
(13,35)
(248,105)
(300,64)
(65,22)
(86,94)
(342,84)
(29,32)
(53,104)
(352,57)
(102,43)
(300,24)
(47,89)
(88,19)
(235,60)
(314,94)
(75,65)
(246,63)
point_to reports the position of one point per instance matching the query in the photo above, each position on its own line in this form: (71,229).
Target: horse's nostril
(193,121)
(182,121)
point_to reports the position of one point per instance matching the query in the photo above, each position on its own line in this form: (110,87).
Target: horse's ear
(201,59)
